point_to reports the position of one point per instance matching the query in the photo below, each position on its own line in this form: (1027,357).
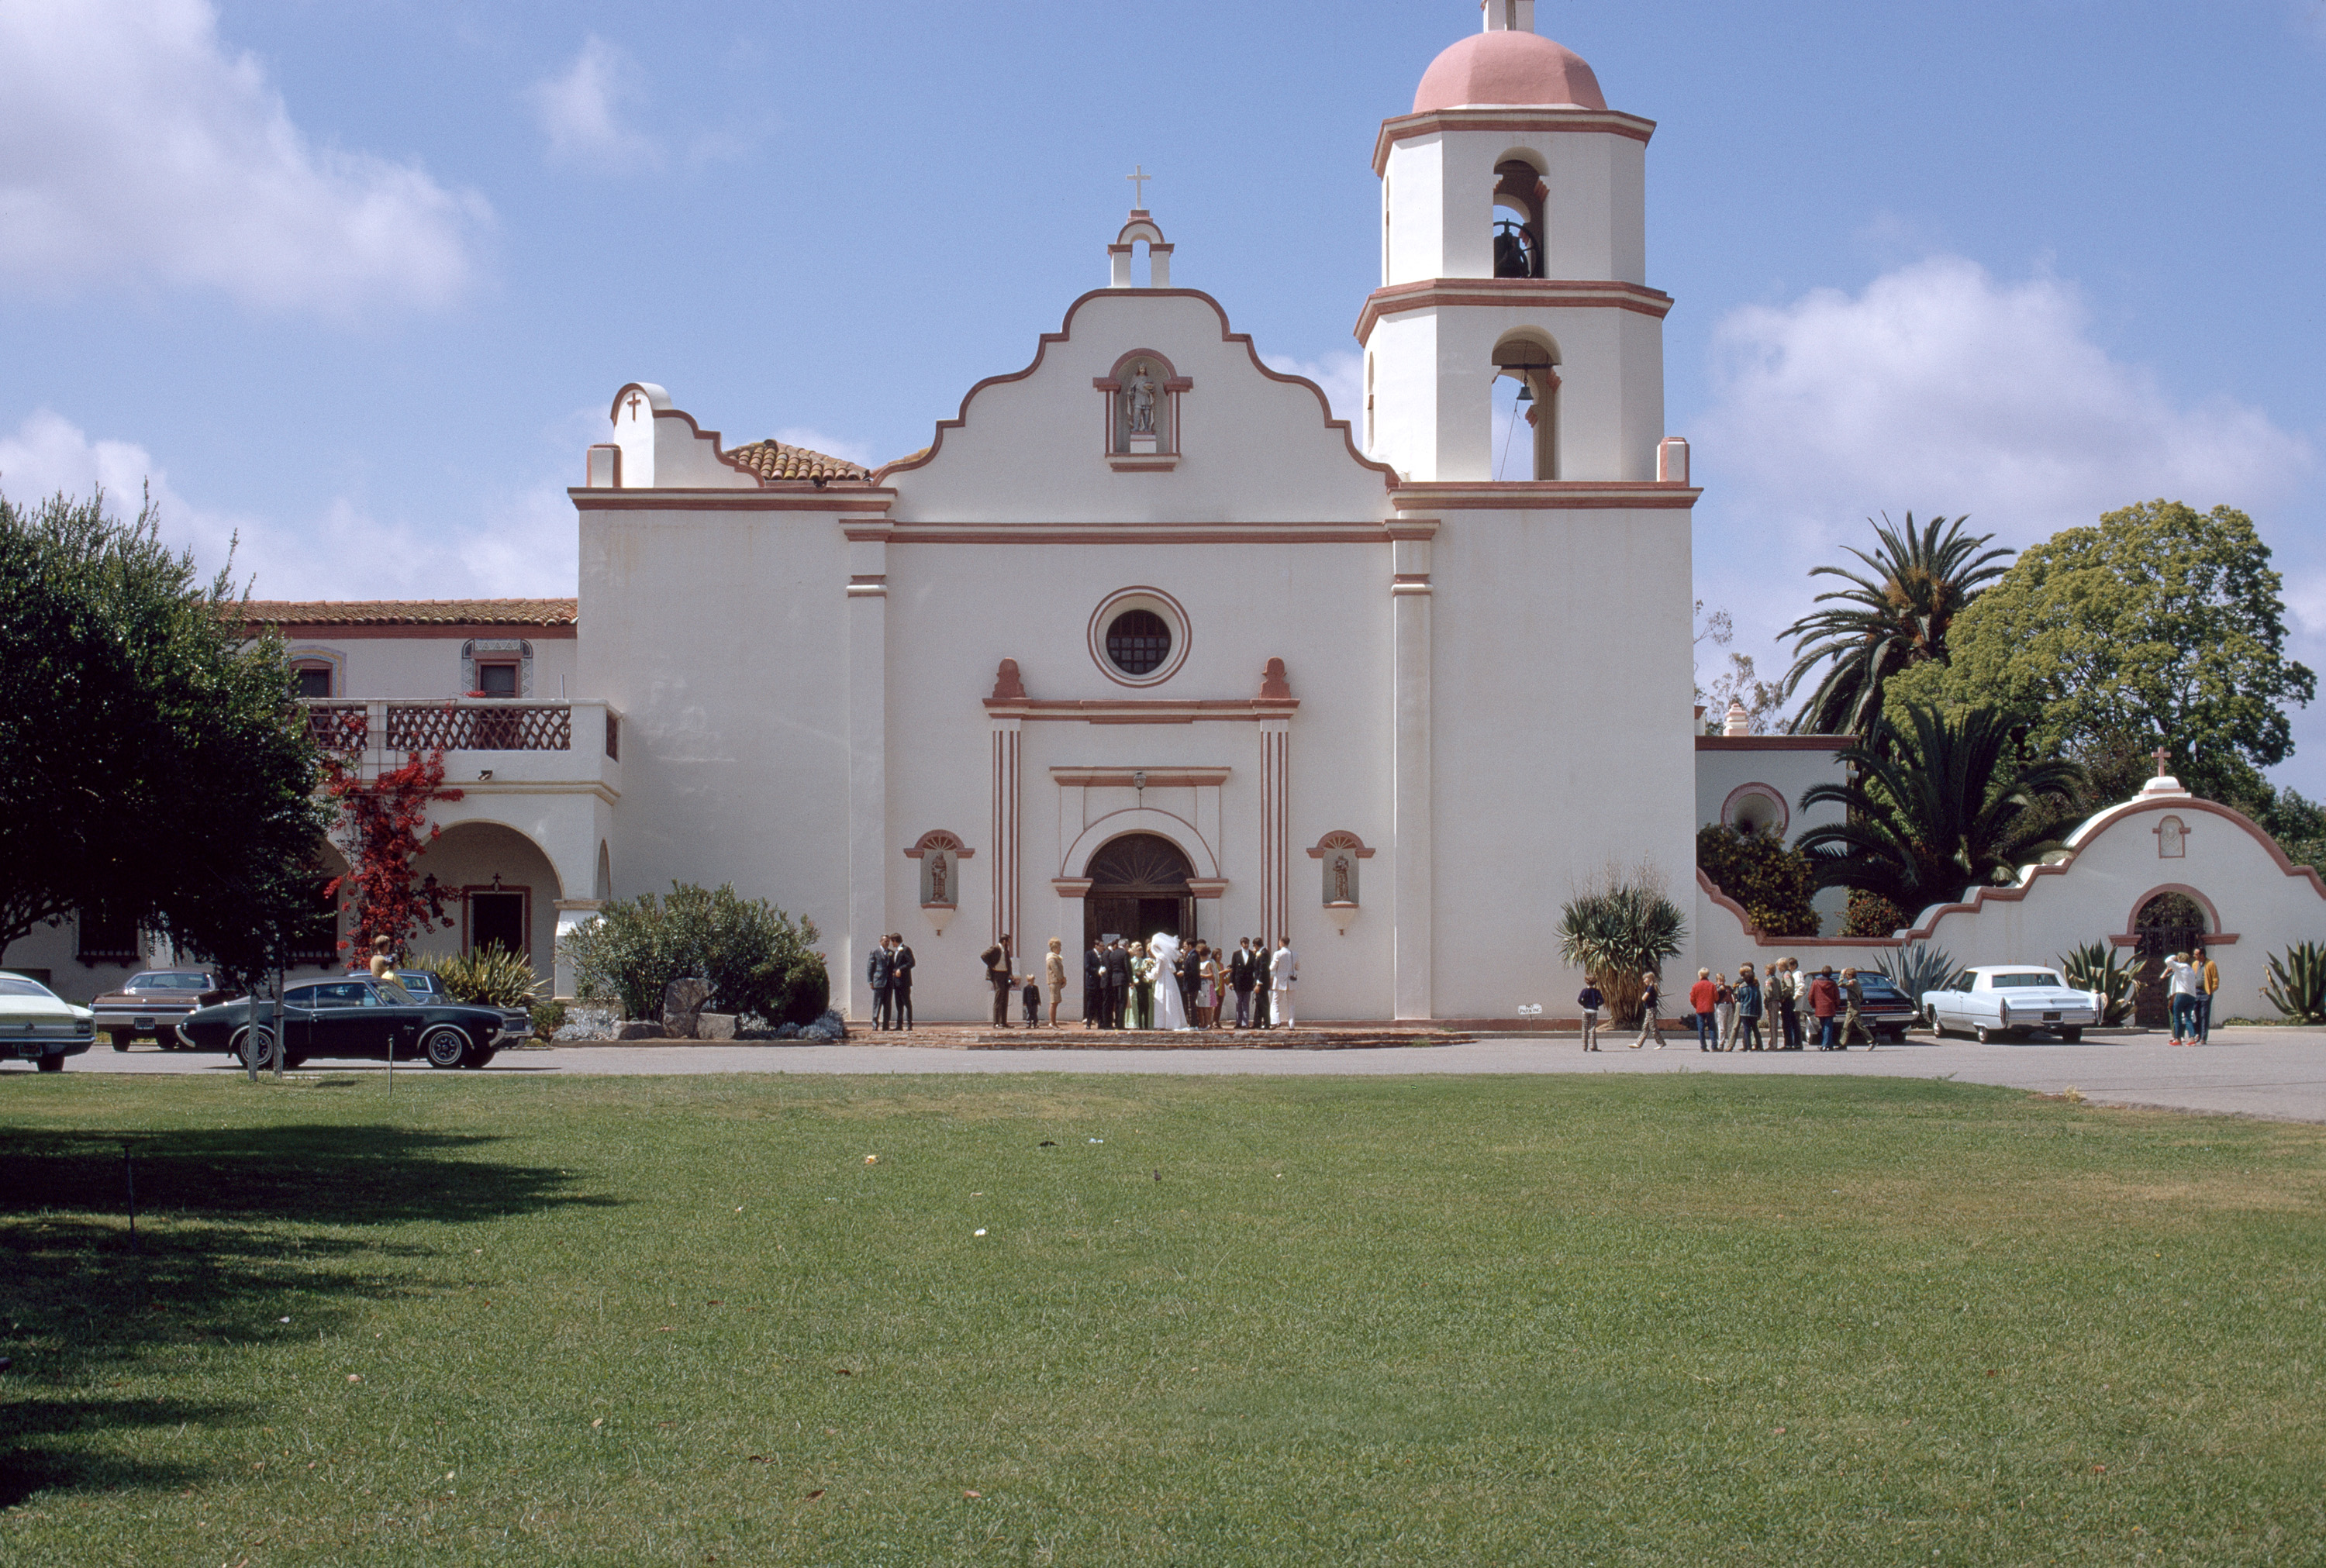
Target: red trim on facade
(1527,293)
(2213,932)
(1143,711)
(938,839)
(1158,778)
(1774,742)
(359,631)
(794,496)
(1043,533)
(1517,118)
(1065,333)
(1769,791)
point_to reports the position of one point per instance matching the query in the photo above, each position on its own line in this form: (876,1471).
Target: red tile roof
(772,460)
(412,612)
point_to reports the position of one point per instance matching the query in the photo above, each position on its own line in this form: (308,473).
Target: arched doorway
(1139,886)
(2169,922)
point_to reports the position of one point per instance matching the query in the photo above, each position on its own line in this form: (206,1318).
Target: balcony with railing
(503,740)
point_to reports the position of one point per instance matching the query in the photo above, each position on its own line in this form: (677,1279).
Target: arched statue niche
(1138,888)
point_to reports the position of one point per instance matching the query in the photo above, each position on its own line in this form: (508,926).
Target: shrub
(548,1018)
(1871,914)
(1617,929)
(2093,968)
(754,957)
(2297,983)
(1774,884)
(491,976)
(1918,966)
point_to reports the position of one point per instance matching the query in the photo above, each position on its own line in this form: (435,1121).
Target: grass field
(1464,1320)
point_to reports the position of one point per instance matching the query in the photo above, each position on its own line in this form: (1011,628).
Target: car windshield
(394,995)
(2013,982)
(18,986)
(1876,986)
(169,981)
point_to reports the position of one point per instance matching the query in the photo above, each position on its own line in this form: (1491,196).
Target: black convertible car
(352,1017)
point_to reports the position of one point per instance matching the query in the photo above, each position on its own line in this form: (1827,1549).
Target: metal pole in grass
(129,1176)
(250,1032)
(279,1045)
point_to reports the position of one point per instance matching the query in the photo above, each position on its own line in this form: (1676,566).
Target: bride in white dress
(1170,1007)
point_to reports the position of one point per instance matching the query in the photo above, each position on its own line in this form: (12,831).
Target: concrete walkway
(2275,1072)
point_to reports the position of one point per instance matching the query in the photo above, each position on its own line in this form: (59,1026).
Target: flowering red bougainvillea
(380,826)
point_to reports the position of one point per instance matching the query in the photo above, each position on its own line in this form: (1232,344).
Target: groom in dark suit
(900,982)
(1260,967)
(1118,982)
(880,973)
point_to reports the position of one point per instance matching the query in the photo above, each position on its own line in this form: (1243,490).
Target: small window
(497,680)
(106,939)
(1138,641)
(313,680)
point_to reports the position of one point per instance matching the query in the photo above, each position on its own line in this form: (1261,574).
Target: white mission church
(1147,639)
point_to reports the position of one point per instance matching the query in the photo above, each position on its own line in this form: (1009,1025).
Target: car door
(342,1028)
(299,1004)
(398,1014)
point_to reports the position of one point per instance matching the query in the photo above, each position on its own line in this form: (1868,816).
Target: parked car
(150,1006)
(2013,999)
(517,1023)
(355,1016)
(40,1026)
(1886,1012)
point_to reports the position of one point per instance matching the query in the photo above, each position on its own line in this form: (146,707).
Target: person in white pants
(1283,974)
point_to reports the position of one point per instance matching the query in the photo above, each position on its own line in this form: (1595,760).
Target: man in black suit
(1259,963)
(1239,977)
(996,959)
(900,982)
(1118,982)
(1094,984)
(880,971)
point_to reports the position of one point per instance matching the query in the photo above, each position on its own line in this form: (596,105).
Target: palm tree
(1884,622)
(1616,929)
(1935,806)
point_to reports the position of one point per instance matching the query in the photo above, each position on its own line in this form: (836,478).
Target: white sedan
(2012,998)
(38,1025)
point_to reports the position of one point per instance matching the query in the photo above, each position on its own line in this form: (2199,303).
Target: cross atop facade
(1138,177)
(2164,759)
(635,400)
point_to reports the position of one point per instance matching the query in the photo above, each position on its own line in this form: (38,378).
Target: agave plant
(2297,983)
(491,976)
(1918,966)
(1618,929)
(2093,968)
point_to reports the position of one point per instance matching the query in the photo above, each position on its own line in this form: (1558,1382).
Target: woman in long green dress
(1142,988)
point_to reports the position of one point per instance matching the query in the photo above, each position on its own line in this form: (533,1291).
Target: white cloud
(1342,376)
(135,148)
(1939,389)
(523,544)
(580,111)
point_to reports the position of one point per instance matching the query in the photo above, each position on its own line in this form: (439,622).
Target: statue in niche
(1139,400)
(937,878)
(1339,878)
(2171,839)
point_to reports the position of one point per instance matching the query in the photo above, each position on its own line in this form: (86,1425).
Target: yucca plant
(1918,966)
(2093,968)
(2297,983)
(1618,929)
(491,976)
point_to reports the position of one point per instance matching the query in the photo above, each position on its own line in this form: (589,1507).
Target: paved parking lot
(2276,1073)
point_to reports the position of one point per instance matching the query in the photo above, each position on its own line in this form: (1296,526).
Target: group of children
(1728,1015)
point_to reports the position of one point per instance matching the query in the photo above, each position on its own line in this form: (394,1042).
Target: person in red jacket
(1825,1002)
(1703,997)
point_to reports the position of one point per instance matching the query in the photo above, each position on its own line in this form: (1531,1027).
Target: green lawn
(1438,1321)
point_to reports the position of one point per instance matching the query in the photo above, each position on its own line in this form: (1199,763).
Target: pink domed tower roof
(1505,66)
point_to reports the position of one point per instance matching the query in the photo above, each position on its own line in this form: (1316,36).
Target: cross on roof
(1138,177)
(635,398)
(2164,759)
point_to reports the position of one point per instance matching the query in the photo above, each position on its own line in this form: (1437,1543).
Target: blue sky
(360,279)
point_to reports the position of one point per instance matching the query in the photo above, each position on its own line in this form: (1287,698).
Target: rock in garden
(640,1029)
(682,1002)
(714,1025)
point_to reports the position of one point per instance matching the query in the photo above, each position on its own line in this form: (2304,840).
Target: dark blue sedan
(351,1017)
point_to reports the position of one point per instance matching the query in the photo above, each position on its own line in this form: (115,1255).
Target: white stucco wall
(374,663)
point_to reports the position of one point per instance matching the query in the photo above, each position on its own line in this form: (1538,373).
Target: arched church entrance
(2169,922)
(1139,886)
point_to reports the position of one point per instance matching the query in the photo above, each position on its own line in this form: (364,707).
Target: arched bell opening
(1525,431)
(1519,194)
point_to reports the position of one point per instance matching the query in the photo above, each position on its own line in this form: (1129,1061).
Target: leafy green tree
(2162,624)
(152,762)
(756,958)
(1935,806)
(1898,615)
(1774,884)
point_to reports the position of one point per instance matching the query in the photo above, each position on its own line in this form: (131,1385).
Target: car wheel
(444,1046)
(1981,1033)
(120,1041)
(478,1056)
(264,1051)
(2071,1035)
(51,1064)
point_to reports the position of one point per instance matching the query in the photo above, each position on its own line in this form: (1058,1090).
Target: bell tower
(1514,250)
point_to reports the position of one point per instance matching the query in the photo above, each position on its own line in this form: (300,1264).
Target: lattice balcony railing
(336,725)
(434,727)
